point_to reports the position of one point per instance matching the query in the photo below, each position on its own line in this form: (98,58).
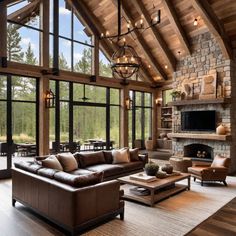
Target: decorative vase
(168,168)
(151,169)
(221,130)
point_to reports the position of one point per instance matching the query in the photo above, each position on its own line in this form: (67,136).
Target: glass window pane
(64,121)
(3,137)
(166,97)
(115,96)
(23,44)
(64,20)
(86,127)
(80,32)
(64,54)
(51,126)
(115,126)
(130,128)
(147,99)
(138,124)
(82,58)
(104,65)
(3,87)
(78,92)
(138,96)
(64,90)
(96,94)
(24,122)
(23,88)
(51,17)
(147,123)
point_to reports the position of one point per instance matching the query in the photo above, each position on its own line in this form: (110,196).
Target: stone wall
(206,59)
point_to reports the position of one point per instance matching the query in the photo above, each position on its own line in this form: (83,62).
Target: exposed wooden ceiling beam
(143,45)
(88,19)
(23,14)
(159,39)
(214,25)
(175,23)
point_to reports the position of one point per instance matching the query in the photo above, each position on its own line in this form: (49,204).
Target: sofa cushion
(132,166)
(108,169)
(220,161)
(52,162)
(67,161)
(120,156)
(79,180)
(108,157)
(47,172)
(92,158)
(133,154)
(81,172)
(28,166)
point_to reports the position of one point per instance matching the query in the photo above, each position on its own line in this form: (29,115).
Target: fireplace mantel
(208,136)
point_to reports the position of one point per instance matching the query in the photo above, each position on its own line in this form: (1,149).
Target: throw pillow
(120,156)
(219,161)
(67,161)
(108,157)
(93,158)
(52,162)
(134,154)
(79,181)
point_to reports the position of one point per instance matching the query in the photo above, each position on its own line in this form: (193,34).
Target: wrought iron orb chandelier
(125,62)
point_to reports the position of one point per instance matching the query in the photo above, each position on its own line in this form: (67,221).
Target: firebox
(199,152)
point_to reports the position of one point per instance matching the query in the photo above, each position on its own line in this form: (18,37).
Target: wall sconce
(49,99)
(128,103)
(195,23)
(158,101)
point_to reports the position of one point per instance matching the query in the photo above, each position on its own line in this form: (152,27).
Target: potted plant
(151,168)
(176,94)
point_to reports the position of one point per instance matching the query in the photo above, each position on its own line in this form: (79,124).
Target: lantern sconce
(128,103)
(158,101)
(50,99)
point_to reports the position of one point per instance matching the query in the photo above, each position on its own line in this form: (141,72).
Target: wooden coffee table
(159,189)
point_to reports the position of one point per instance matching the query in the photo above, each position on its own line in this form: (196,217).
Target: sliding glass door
(18,120)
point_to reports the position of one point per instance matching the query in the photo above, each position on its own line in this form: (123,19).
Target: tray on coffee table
(159,189)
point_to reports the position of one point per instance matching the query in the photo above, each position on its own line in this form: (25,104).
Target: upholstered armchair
(217,171)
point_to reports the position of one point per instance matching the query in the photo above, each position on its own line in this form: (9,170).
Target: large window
(140,118)
(88,117)
(23,32)
(18,120)
(75,43)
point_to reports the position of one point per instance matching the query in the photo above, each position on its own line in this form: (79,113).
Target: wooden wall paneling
(175,23)
(23,14)
(143,45)
(159,39)
(214,26)
(44,81)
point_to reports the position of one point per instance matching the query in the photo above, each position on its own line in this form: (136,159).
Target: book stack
(143,177)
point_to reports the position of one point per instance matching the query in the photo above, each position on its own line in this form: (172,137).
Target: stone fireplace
(190,70)
(198,151)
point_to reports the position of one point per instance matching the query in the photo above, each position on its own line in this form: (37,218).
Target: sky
(32,36)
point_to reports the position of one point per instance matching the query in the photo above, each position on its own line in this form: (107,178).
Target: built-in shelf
(165,129)
(199,102)
(201,136)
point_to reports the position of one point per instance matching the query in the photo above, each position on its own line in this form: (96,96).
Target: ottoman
(181,163)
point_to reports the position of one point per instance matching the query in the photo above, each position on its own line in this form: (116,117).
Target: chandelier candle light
(125,61)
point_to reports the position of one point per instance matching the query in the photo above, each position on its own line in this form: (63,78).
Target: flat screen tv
(198,121)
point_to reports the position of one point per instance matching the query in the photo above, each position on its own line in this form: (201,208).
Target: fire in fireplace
(198,151)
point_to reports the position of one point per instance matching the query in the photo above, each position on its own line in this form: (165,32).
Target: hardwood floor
(170,217)
(223,222)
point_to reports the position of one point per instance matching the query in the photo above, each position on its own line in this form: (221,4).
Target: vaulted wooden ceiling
(161,46)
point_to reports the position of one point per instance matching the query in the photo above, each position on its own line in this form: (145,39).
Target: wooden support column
(3,34)
(124,126)
(44,82)
(154,119)
(95,59)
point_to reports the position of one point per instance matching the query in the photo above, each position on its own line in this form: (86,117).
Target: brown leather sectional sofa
(55,195)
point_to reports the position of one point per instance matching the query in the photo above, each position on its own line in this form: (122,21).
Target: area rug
(176,215)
